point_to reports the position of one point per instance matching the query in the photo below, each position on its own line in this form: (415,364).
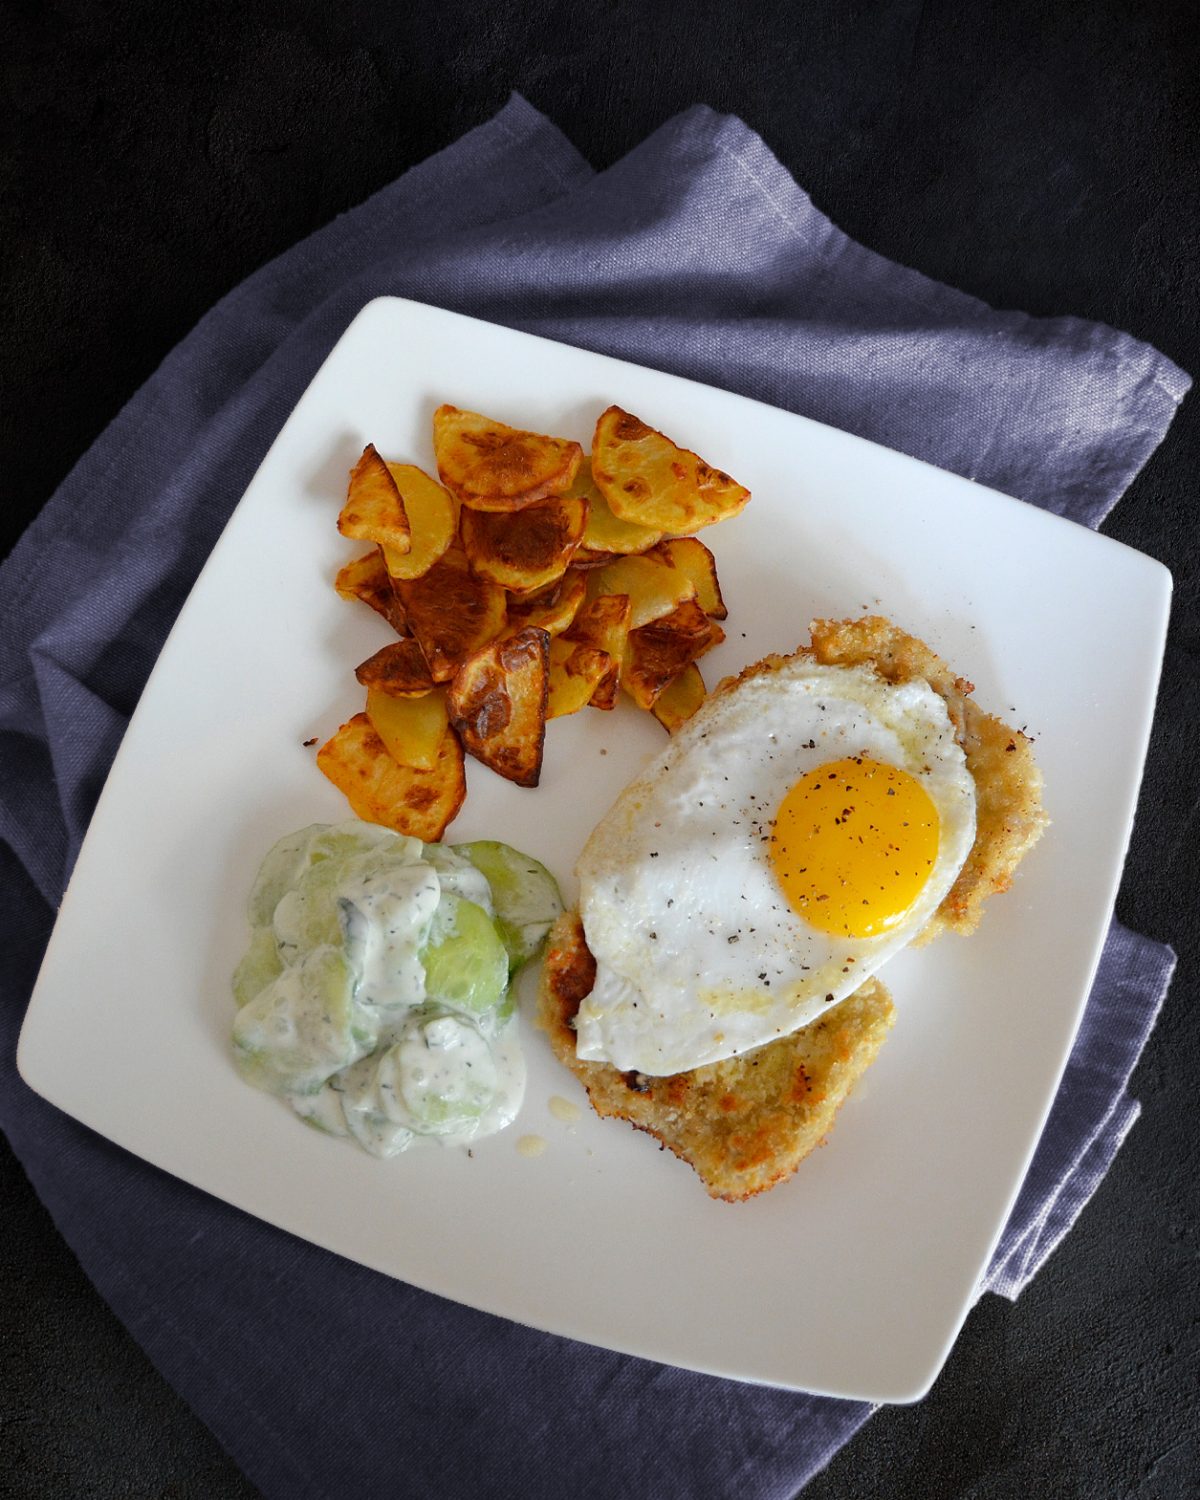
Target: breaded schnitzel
(746,1123)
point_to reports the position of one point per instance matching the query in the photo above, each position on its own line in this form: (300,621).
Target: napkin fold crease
(698,254)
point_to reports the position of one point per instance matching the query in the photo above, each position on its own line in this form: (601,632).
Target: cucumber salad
(376,994)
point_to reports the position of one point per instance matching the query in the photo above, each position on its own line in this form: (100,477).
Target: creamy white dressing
(347,1033)
(385,918)
(367,1100)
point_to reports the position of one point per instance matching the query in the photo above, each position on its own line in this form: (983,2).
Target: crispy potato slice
(379,789)
(576,673)
(680,699)
(605,532)
(648,479)
(589,557)
(411,728)
(374,509)
(605,695)
(367,579)
(399,670)
(691,556)
(432,518)
(497,704)
(451,612)
(495,467)
(657,653)
(655,587)
(603,624)
(526,550)
(552,609)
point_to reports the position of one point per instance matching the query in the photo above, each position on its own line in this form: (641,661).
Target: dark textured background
(1041,155)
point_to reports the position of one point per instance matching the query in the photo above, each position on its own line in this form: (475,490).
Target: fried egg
(800,829)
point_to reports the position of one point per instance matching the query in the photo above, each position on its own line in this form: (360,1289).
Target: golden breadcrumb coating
(744,1124)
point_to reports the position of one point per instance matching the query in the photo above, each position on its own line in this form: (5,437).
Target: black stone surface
(1041,155)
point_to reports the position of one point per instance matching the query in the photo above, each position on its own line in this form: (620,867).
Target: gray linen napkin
(698,254)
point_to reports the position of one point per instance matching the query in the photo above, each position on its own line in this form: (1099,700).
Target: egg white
(699,954)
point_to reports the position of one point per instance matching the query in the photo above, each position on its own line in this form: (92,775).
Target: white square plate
(853,1278)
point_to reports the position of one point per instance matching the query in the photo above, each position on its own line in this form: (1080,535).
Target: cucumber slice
(302,1028)
(259,966)
(363,1109)
(310,915)
(466,962)
(458,874)
(322,1110)
(286,863)
(439,1078)
(524,892)
(281,868)
(342,841)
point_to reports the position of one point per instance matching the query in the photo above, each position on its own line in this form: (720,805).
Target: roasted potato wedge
(379,789)
(411,728)
(680,699)
(654,587)
(528,549)
(552,609)
(603,625)
(367,579)
(452,612)
(657,653)
(648,479)
(399,670)
(604,531)
(497,704)
(576,673)
(432,518)
(691,556)
(374,509)
(491,466)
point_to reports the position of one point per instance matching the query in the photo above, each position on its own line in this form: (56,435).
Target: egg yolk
(853,844)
